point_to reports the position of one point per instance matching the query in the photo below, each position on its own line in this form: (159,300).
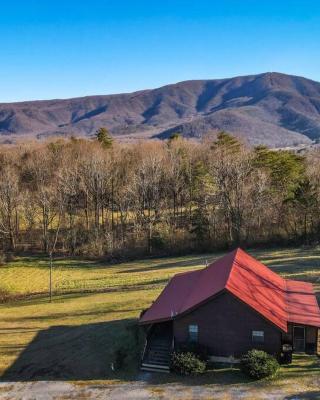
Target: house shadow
(314,395)
(83,352)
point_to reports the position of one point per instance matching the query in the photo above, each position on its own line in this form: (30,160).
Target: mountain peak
(271,108)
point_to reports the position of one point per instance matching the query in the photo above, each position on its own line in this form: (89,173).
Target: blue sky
(58,49)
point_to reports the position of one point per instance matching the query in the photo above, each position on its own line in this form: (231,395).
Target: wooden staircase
(157,354)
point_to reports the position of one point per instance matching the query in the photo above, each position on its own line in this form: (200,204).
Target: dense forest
(102,198)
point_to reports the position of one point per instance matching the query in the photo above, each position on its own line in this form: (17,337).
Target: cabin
(229,307)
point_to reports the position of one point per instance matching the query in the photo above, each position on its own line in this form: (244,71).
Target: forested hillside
(100,197)
(273,109)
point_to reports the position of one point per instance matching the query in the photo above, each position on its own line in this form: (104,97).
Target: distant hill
(270,108)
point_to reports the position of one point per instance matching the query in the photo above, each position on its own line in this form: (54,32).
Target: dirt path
(143,391)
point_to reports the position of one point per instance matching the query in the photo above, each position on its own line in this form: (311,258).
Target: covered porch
(302,338)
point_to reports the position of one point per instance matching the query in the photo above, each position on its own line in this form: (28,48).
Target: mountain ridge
(270,108)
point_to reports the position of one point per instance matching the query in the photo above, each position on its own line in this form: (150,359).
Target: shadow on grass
(70,353)
(314,395)
(85,353)
(61,295)
(285,261)
(41,261)
(147,264)
(184,263)
(302,366)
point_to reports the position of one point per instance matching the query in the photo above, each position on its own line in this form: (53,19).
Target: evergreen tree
(286,168)
(104,138)
(226,142)
(173,137)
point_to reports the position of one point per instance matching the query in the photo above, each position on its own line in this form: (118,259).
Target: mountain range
(271,108)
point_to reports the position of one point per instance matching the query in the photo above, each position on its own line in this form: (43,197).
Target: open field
(72,338)
(30,275)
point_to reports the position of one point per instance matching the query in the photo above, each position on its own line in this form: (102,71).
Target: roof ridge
(203,270)
(192,288)
(236,251)
(274,285)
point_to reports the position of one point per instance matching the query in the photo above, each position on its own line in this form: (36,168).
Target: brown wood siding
(310,337)
(225,327)
(287,337)
(311,334)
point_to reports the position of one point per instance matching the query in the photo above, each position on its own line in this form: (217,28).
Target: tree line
(99,197)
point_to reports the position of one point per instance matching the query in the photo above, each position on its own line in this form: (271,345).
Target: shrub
(5,295)
(3,259)
(258,364)
(187,364)
(199,350)
(9,257)
(128,347)
(158,241)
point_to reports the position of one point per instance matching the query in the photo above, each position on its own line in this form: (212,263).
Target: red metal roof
(277,299)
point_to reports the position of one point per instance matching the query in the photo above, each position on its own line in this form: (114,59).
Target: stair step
(160,344)
(158,351)
(165,348)
(159,360)
(155,362)
(149,369)
(158,356)
(161,341)
(157,366)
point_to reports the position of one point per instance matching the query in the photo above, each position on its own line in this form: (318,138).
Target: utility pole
(112,212)
(50,278)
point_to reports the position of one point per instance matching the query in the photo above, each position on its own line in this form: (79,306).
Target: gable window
(257,336)
(193,333)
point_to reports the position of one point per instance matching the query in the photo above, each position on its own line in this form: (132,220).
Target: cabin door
(299,339)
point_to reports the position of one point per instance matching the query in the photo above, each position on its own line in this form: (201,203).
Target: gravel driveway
(144,391)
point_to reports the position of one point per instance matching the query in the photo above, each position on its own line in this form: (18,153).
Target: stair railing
(144,349)
(172,344)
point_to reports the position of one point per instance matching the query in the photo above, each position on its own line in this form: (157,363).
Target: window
(257,336)
(193,333)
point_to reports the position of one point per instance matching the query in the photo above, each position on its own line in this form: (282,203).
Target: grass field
(73,337)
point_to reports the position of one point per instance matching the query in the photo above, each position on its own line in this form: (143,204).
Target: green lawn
(74,336)
(30,275)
